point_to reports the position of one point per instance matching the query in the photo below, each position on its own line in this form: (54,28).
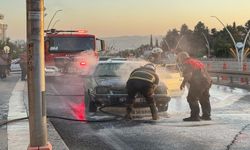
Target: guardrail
(230,77)
(227,65)
(227,71)
(222,59)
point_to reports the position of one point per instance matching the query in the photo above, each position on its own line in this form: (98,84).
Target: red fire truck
(71,52)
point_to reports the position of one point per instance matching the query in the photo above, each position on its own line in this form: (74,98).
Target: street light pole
(167,44)
(207,45)
(53,18)
(178,42)
(237,52)
(241,55)
(55,23)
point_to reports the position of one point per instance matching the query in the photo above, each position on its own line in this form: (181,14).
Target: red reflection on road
(78,110)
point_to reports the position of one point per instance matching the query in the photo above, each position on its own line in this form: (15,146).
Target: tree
(186,35)
(151,41)
(184,30)
(195,42)
(198,40)
(16,47)
(170,40)
(156,43)
(247,25)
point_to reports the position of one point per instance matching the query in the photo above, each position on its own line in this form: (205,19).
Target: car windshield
(71,44)
(115,69)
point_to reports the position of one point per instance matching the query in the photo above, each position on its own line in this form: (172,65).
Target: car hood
(117,83)
(114,82)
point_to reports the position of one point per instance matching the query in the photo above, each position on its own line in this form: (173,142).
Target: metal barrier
(231,77)
(226,65)
(222,59)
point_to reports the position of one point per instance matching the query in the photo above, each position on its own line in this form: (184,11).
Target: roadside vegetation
(200,41)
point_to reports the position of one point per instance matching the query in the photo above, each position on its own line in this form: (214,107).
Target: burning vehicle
(107,86)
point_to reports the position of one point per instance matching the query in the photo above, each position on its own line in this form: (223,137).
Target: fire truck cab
(71,52)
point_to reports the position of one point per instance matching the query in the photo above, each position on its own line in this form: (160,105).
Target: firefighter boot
(154,112)
(203,117)
(128,115)
(192,119)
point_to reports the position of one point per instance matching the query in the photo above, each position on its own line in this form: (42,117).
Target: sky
(110,18)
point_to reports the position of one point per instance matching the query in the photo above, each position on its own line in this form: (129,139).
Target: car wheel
(92,106)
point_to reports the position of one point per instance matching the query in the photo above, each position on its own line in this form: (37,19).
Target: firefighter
(195,73)
(3,64)
(155,56)
(142,80)
(23,64)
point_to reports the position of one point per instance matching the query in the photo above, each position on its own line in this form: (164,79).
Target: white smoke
(126,69)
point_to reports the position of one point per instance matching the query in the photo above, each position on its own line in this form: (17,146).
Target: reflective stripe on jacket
(145,74)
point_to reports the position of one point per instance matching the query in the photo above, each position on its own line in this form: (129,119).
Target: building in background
(3,28)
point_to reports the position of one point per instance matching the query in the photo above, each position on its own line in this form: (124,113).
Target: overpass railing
(228,71)
(230,77)
(226,64)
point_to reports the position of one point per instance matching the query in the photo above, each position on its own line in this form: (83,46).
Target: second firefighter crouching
(142,80)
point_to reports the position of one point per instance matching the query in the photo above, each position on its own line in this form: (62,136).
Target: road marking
(18,132)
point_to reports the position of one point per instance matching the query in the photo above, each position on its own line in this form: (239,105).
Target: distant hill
(129,42)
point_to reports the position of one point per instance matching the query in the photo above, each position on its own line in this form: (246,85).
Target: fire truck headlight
(82,63)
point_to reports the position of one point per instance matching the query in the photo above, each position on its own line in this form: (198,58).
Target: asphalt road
(229,129)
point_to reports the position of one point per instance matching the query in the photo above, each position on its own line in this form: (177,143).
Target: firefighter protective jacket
(145,74)
(194,71)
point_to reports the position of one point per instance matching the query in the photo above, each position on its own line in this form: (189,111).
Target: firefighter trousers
(198,96)
(146,88)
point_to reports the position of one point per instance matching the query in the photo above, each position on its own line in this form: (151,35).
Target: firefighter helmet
(150,66)
(156,50)
(182,56)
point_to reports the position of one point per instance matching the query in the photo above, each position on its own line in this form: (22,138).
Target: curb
(18,132)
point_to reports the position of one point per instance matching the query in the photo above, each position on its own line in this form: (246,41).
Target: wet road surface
(229,129)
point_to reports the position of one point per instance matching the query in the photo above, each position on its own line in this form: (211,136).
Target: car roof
(121,61)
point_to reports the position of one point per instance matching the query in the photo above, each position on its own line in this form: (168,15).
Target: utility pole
(36,75)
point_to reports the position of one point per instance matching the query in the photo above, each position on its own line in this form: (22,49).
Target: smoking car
(107,86)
